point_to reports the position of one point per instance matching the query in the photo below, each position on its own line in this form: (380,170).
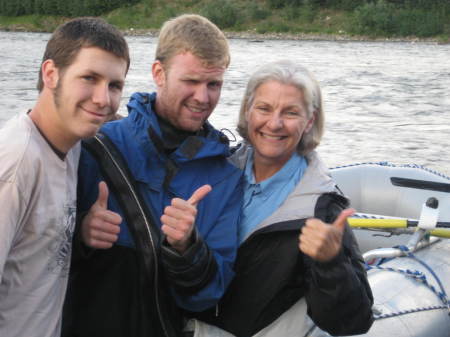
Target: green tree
(12,8)
(375,18)
(224,13)
(50,7)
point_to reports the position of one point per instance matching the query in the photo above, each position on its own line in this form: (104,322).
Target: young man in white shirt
(80,85)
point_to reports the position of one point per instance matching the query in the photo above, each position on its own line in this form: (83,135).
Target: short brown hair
(70,37)
(289,73)
(196,34)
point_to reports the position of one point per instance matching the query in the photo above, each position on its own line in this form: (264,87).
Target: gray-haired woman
(297,257)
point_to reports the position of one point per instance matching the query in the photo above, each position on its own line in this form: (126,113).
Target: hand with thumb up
(322,241)
(100,227)
(178,219)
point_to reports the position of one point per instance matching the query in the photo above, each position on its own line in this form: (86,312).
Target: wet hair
(288,73)
(195,34)
(70,37)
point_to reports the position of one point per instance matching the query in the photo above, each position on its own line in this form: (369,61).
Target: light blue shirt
(263,198)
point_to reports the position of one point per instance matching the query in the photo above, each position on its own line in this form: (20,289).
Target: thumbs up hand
(322,241)
(178,219)
(100,227)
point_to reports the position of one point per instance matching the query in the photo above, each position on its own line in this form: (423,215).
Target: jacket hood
(141,125)
(213,143)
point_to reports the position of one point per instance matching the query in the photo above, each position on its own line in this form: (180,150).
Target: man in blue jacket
(178,164)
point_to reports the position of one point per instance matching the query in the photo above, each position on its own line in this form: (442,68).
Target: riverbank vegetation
(352,18)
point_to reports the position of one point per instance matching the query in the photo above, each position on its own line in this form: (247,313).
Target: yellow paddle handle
(442,233)
(377,223)
(392,223)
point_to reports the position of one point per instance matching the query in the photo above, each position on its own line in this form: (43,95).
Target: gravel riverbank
(250,35)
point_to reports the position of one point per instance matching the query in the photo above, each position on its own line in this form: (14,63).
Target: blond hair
(195,34)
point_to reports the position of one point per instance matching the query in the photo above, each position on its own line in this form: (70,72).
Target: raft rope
(370,216)
(414,274)
(388,164)
(417,276)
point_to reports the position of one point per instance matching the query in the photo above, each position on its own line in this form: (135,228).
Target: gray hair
(289,73)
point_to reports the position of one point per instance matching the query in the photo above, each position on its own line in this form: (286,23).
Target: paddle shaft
(441,231)
(389,223)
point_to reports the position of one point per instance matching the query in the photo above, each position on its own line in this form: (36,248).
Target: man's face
(188,90)
(88,92)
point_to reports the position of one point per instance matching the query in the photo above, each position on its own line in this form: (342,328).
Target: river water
(384,101)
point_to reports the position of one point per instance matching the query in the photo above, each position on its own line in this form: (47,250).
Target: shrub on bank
(60,7)
(224,13)
(420,23)
(13,8)
(256,12)
(277,4)
(272,27)
(386,18)
(375,18)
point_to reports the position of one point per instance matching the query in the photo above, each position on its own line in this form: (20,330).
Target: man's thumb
(342,218)
(199,194)
(102,200)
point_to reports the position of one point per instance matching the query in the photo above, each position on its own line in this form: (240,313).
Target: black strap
(119,179)
(171,167)
(140,221)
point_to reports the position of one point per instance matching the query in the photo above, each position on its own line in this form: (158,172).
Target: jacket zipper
(152,244)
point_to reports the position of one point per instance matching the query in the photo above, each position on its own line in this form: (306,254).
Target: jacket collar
(301,201)
(147,133)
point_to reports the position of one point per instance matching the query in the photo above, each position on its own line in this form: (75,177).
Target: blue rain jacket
(197,161)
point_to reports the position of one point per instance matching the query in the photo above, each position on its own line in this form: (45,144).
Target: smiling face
(188,90)
(277,119)
(89,91)
(83,96)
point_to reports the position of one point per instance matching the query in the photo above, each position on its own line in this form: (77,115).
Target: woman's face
(277,120)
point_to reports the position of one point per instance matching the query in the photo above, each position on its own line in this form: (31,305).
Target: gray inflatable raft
(410,292)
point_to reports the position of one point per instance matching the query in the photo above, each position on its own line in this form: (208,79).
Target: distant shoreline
(256,37)
(248,35)
(423,22)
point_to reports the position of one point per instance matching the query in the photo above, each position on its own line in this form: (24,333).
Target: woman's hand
(322,241)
